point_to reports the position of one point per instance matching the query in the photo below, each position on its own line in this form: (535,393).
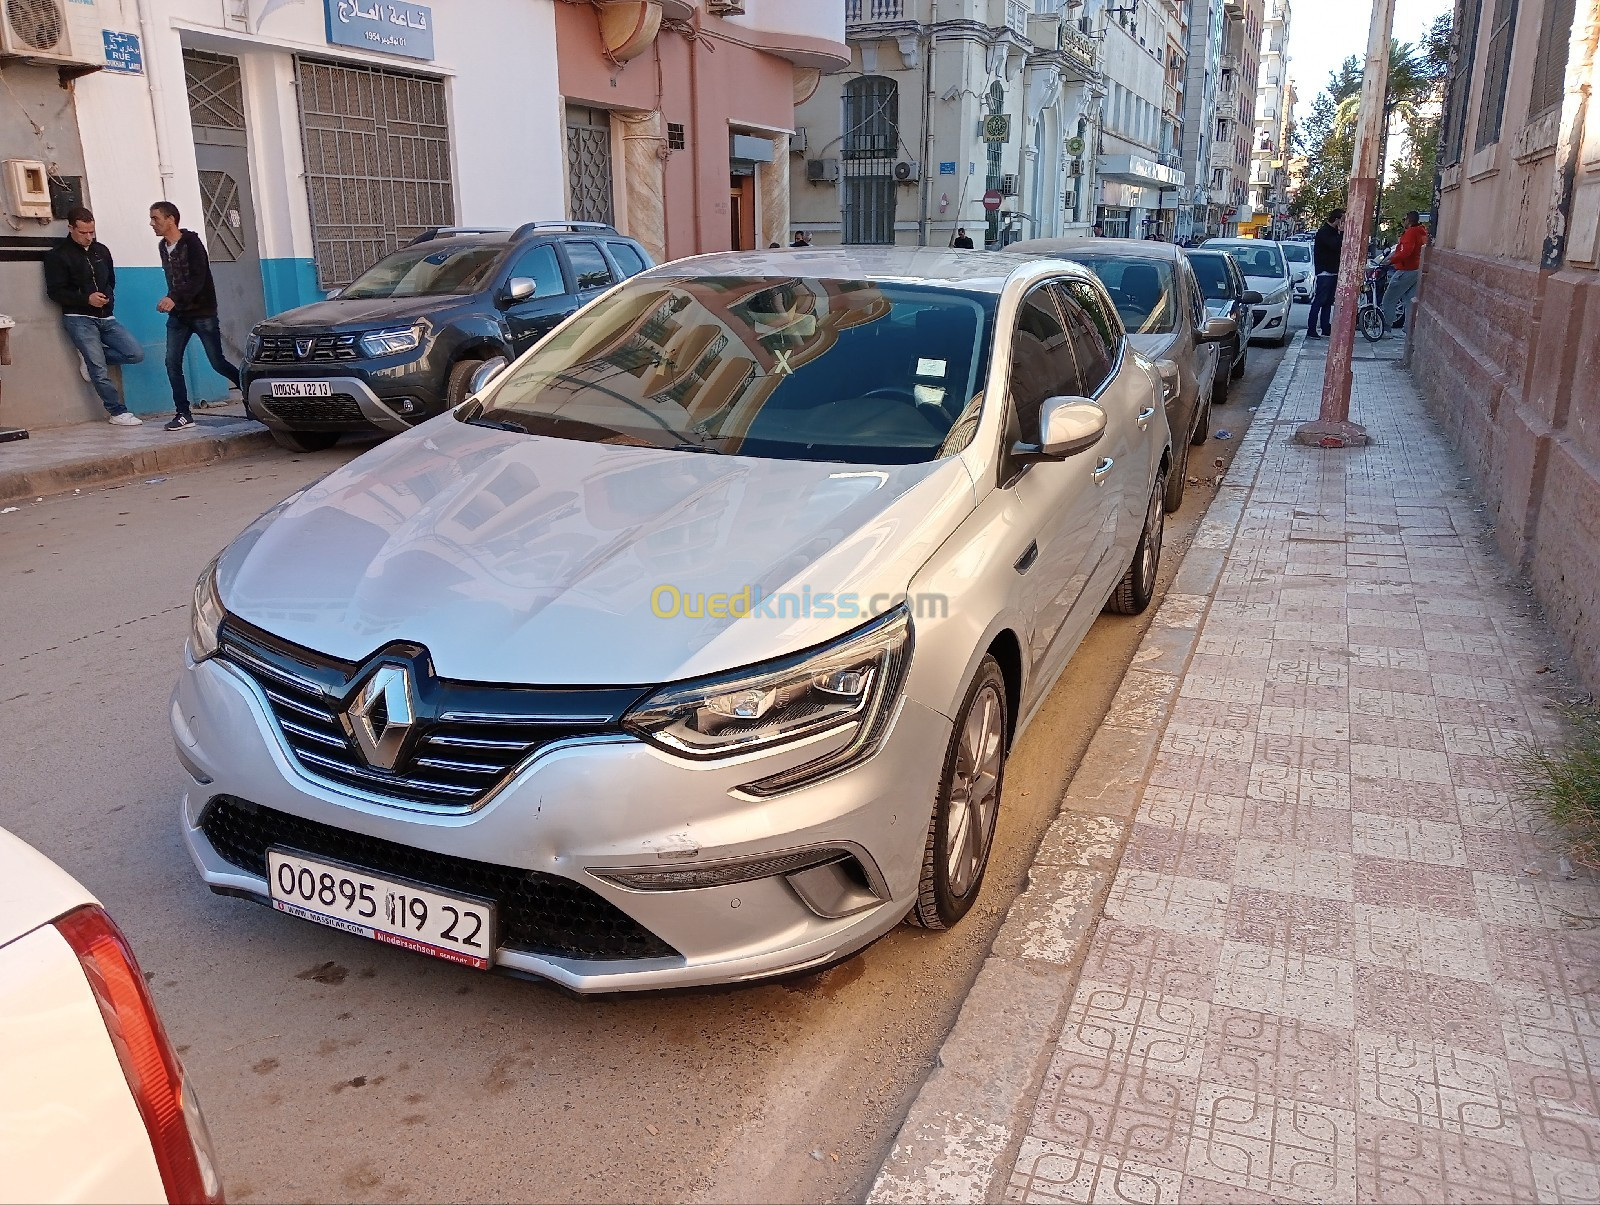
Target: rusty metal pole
(1333,428)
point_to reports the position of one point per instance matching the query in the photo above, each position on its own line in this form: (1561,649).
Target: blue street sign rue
(947,169)
(123,53)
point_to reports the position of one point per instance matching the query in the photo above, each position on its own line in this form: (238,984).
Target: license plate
(397,912)
(301,389)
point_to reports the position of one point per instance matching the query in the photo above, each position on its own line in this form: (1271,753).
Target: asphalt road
(333,1069)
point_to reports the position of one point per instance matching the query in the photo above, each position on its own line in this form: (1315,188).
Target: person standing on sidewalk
(1406,260)
(190,306)
(81,278)
(963,240)
(1326,249)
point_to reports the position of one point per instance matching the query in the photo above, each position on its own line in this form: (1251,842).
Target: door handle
(1145,415)
(1026,560)
(1101,470)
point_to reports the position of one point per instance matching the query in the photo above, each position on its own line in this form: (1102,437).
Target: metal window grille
(377,150)
(216,91)
(1460,90)
(1550,64)
(589,180)
(1497,73)
(992,173)
(677,139)
(871,138)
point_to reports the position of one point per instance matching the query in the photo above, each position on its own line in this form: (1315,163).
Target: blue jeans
(103,342)
(1322,304)
(179,332)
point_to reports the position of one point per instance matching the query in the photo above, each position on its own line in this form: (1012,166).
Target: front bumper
(352,406)
(603,803)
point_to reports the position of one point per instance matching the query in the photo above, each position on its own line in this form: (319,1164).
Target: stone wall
(1505,355)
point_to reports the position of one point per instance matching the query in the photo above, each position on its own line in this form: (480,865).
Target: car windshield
(1212,273)
(1140,287)
(1297,253)
(429,270)
(784,368)
(1258,259)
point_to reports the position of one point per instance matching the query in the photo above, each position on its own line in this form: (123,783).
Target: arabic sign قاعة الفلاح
(404,29)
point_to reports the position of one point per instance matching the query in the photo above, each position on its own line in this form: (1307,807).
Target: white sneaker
(126,419)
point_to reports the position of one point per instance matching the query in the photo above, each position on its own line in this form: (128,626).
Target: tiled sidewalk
(1338,962)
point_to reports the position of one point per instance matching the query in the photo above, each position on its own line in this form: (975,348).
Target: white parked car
(1298,257)
(1267,272)
(94,1105)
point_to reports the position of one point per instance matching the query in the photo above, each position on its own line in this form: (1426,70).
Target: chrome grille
(320,349)
(470,737)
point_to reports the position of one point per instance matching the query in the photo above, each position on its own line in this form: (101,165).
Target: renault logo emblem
(302,347)
(381,716)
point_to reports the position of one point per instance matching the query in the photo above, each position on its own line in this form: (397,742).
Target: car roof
(1125,248)
(1206,250)
(973,271)
(1240,242)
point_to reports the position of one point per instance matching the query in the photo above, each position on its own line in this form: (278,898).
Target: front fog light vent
(830,880)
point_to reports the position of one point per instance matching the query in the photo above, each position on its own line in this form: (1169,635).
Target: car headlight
(392,341)
(252,345)
(851,684)
(205,616)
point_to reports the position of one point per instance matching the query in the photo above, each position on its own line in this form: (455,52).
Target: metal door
(216,111)
(589,180)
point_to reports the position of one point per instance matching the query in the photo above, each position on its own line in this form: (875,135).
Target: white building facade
(1269,176)
(945,102)
(1139,172)
(304,140)
(1199,214)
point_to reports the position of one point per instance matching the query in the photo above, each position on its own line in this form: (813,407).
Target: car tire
(1178,476)
(305,441)
(961,831)
(1202,424)
(1243,359)
(1221,383)
(1286,334)
(459,386)
(1138,585)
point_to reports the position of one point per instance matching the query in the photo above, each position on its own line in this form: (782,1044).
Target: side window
(1102,315)
(539,265)
(629,260)
(1042,364)
(1197,305)
(589,266)
(1089,351)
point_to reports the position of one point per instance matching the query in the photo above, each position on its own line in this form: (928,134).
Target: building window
(1550,63)
(675,137)
(1497,73)
(1460,90)
(871,139)
(993,176)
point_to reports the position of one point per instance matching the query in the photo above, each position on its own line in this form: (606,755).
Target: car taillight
(166,1102)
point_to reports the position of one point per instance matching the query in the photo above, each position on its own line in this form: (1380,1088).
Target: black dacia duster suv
(402,343)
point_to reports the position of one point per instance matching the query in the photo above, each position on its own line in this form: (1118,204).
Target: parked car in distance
(1160,304)
(401,343)
(689,650)
(1298,256)
(96,1106)
(1267,272)
(1226,295)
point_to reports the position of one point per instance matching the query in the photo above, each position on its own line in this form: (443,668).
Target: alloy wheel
(975,791)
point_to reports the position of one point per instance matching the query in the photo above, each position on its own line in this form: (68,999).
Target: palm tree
(1413,80)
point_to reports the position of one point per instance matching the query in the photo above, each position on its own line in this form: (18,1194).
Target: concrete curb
(124,466)
(963,1131)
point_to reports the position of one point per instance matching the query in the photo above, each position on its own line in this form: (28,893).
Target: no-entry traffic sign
(992,199)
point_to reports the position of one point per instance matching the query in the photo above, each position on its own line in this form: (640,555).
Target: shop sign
(122,52)
(403,29)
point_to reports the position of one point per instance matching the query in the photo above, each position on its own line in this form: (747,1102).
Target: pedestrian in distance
(81,277)
(1099,231)
(963,240)
(190,306)
(801,239)
(1325,252)
(1406,260)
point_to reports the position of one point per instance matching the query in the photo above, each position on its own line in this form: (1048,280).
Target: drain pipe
(158,116)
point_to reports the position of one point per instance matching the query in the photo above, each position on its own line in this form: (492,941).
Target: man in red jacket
(1406,259)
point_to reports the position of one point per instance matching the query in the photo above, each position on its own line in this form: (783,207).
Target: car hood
(523,559)
(357,312)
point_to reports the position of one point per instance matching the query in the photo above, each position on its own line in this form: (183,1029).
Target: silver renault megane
(689,649)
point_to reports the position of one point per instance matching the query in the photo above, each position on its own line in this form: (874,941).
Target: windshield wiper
(497,425)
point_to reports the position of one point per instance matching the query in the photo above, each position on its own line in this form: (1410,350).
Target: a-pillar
(773,181)
(644,180)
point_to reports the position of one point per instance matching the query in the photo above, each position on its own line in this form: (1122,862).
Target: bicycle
(1369,317)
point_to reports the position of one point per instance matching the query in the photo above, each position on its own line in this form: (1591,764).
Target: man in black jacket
(79,276)
(190,306)
(1325,252)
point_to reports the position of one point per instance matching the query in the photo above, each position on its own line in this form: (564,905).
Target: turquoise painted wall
(285,284)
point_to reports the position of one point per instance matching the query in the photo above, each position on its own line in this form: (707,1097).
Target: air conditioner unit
(1008,186)
(726,8)
(822,171)
(907,173)
(1075,168)
(57,33)
(797,142)
(1069,200)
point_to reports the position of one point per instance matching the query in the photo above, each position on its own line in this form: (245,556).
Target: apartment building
(1143,48)
(1275,98)
(1199,213)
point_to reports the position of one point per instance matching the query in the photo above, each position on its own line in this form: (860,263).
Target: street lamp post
(1333,428)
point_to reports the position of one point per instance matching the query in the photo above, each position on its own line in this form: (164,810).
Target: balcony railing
(1017,14)
(857,12)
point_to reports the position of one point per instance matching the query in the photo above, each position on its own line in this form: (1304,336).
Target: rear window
(1140,288)
(1212,273)
(629,260)
(1297,253)
(785,368)
(1257,259)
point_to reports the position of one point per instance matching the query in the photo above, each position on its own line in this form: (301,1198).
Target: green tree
(1328,148)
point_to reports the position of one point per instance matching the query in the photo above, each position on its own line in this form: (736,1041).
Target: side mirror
(1217,329)
(487,372)
(1067,426)
(1251,297)
(520,288)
